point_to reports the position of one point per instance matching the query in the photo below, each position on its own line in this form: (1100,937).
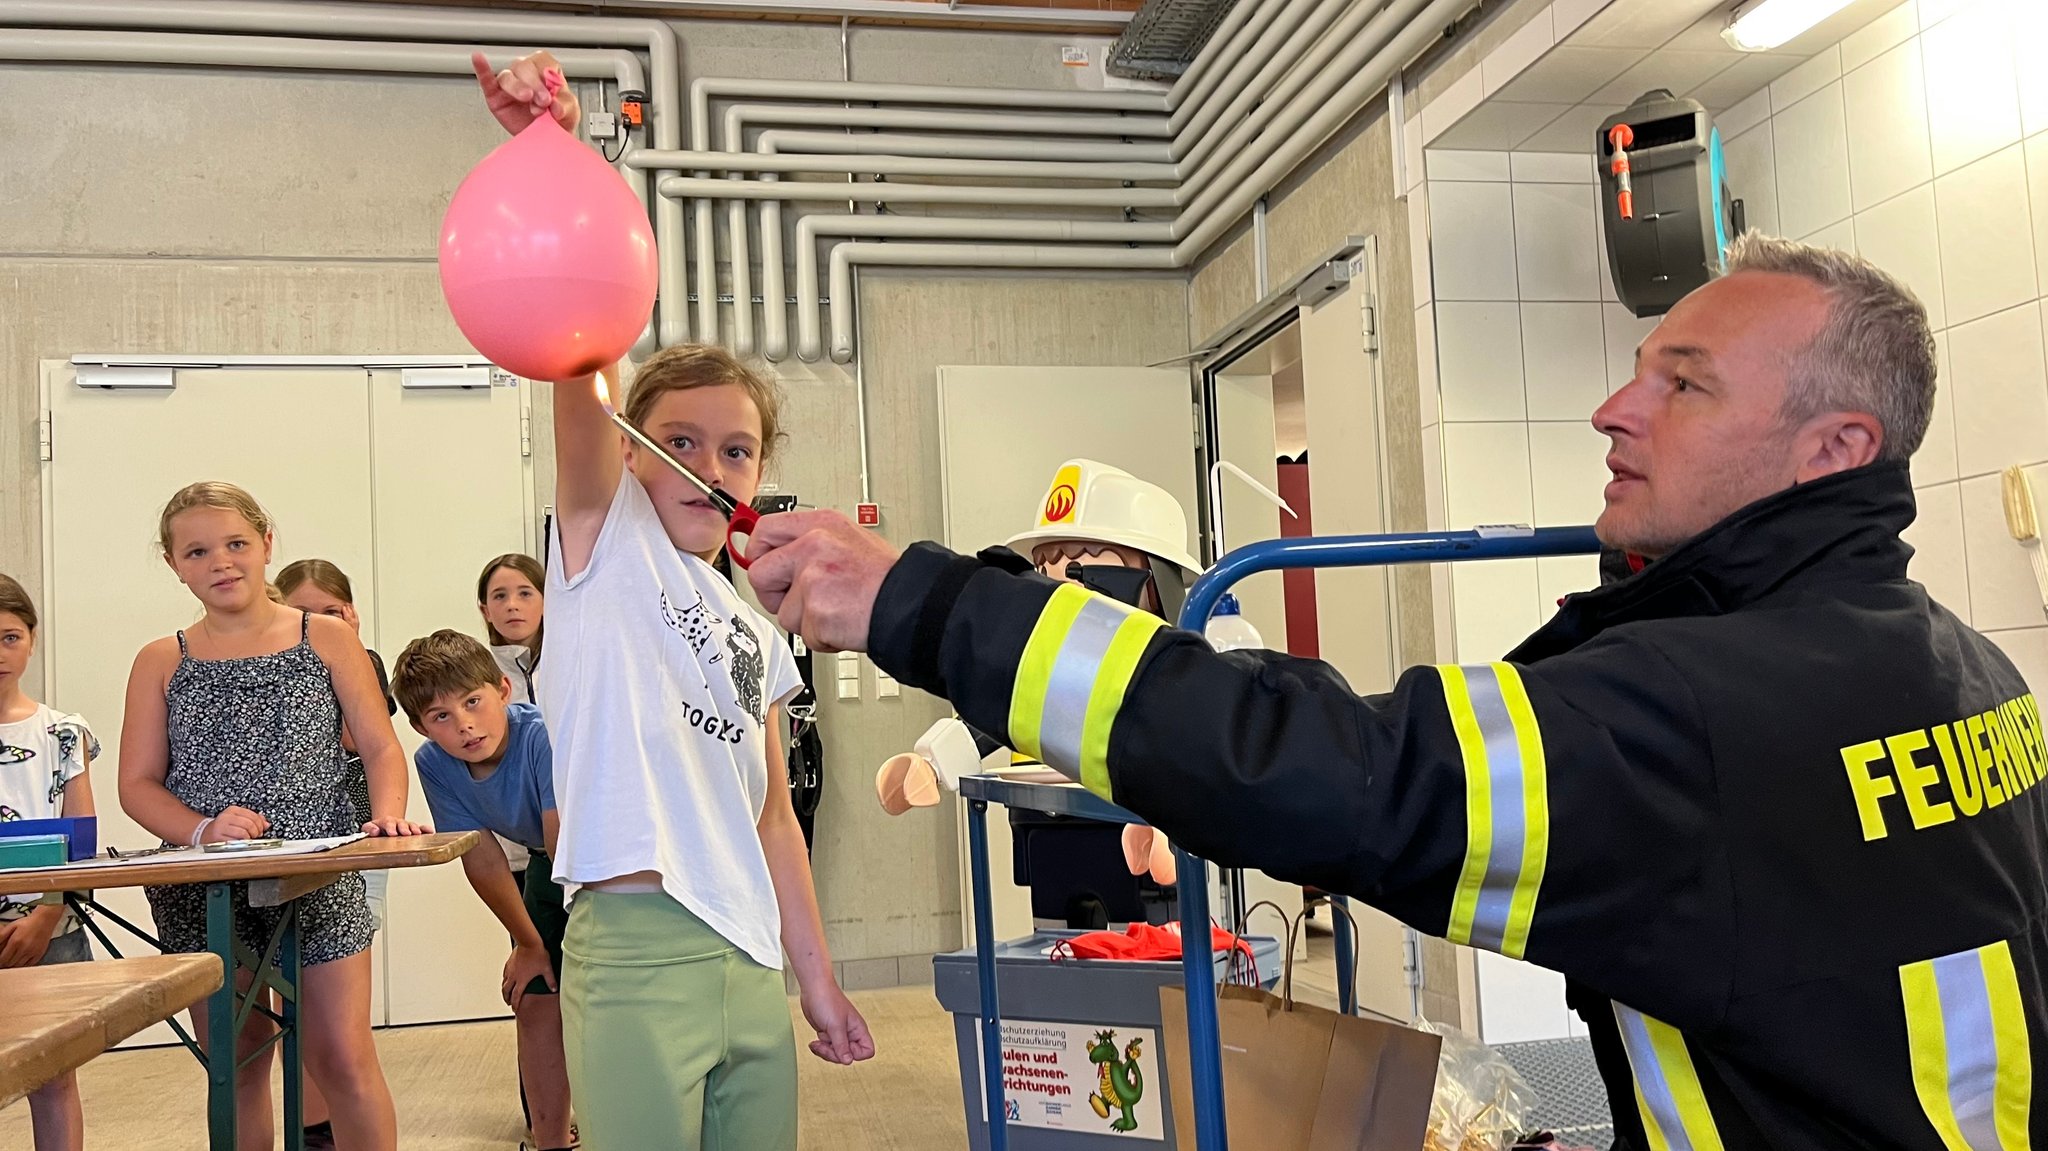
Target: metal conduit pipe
(211,50)
(1413,36)
(1221,48)
(776,140)
(845,256)
(1361,36)
(1194,145)
(808,229)
(740,258)
(705,89)
(690,187)
(1198,68)
(395,22)
(1261,55)
(1199,197)
(891,165)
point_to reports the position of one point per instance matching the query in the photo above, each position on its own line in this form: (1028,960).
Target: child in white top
(678,846)
(44,754)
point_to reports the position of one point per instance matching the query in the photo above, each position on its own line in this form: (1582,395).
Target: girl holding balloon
(686,867)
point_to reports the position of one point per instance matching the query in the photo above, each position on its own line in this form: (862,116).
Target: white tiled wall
(1920,142)
(1528,341)
(1942,158)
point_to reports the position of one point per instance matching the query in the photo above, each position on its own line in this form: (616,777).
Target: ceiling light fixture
(1762,25)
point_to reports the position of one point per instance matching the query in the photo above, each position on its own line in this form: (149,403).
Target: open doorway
(1258,423)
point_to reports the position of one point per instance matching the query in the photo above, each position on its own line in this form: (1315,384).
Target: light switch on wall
(886,686)
(849,675)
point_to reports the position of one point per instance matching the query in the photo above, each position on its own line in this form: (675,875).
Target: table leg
(1198,978)
(220,1019)
(995,1103)
(294,1083)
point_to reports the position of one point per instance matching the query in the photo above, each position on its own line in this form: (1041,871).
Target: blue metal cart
(1205,1053)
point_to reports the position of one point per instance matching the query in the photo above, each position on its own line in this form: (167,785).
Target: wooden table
(272,881)
(59,1017)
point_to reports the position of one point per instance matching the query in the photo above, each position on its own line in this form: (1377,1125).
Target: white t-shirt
(658,687)
(38,756)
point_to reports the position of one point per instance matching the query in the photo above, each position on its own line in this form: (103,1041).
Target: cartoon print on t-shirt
(8,814)
(15,754)
(694,624)
(749,671)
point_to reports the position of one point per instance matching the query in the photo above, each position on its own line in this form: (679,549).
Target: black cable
(625,136)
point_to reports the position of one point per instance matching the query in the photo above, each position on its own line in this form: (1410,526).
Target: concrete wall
(241,212)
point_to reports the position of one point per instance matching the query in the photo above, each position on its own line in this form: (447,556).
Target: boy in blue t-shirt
(488,767)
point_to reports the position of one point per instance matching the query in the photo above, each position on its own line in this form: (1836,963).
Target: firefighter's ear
(1836,442)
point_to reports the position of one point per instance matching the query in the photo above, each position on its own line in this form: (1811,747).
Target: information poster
(1078,1077)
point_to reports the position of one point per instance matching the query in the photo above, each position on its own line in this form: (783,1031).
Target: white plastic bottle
(1228,630)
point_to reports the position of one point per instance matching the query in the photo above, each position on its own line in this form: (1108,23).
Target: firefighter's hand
(519,95)
(819,573)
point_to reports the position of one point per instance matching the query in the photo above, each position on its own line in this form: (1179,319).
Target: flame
(604,393)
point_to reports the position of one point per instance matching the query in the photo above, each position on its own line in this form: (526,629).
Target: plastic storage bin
(1068,1027)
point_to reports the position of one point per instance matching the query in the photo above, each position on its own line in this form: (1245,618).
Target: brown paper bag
(1303,1078)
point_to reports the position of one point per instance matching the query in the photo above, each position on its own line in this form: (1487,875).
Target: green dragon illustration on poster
(1119,1082)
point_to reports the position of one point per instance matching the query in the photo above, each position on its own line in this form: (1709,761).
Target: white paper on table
(191,854)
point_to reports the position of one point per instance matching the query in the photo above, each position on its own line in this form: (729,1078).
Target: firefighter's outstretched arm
(1522,811)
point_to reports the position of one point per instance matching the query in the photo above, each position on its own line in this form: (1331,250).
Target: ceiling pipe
(690,187)
(740,265)
(895,165)
(958,147)
(395,22)
(809,228)
(1015,16)
(1198,68)
(1215,217)
(845,256)
(1202,81)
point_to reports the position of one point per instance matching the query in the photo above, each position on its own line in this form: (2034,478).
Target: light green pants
(676,1040)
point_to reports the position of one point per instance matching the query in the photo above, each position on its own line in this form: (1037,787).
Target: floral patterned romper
(264,733)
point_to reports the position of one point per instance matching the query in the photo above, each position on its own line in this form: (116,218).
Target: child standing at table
(233,731)
(44,754)
(318,587)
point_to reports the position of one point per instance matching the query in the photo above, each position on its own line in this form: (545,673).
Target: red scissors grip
(741,524)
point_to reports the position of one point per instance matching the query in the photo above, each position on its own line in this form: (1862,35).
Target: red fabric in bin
(1142,941)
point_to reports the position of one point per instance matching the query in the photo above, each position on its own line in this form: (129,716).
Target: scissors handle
(741,524)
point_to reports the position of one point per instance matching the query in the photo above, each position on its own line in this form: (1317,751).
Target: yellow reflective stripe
(1929,1051)
(1507,808)
(1966,1032)
(1034,671)
(1669,1097)
(1070,683)
(1112,681)
(1535,805)
(2014,1093)
(1478,804)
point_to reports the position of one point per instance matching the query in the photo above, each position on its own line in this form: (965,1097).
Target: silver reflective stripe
(1972,1047)
(1504,769)
(1650,1078)
(1073,681)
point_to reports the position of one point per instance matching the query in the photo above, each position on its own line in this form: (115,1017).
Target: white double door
(409,490)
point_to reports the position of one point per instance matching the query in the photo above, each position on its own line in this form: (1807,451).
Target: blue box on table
(81,833)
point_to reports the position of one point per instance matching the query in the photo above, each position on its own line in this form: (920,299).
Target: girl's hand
(393,826)
(235,823)
(519,95)
(842,1034)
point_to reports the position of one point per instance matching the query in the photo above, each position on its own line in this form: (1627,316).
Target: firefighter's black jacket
(1766,799)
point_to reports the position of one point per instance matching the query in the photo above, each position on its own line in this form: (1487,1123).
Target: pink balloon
(546,257)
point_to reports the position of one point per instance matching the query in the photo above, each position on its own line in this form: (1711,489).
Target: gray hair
(1874,353)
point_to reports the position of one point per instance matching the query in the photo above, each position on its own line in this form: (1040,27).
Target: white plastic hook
(1216,497)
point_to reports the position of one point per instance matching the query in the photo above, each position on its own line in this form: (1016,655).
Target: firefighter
(1106,530)
(1775,814)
